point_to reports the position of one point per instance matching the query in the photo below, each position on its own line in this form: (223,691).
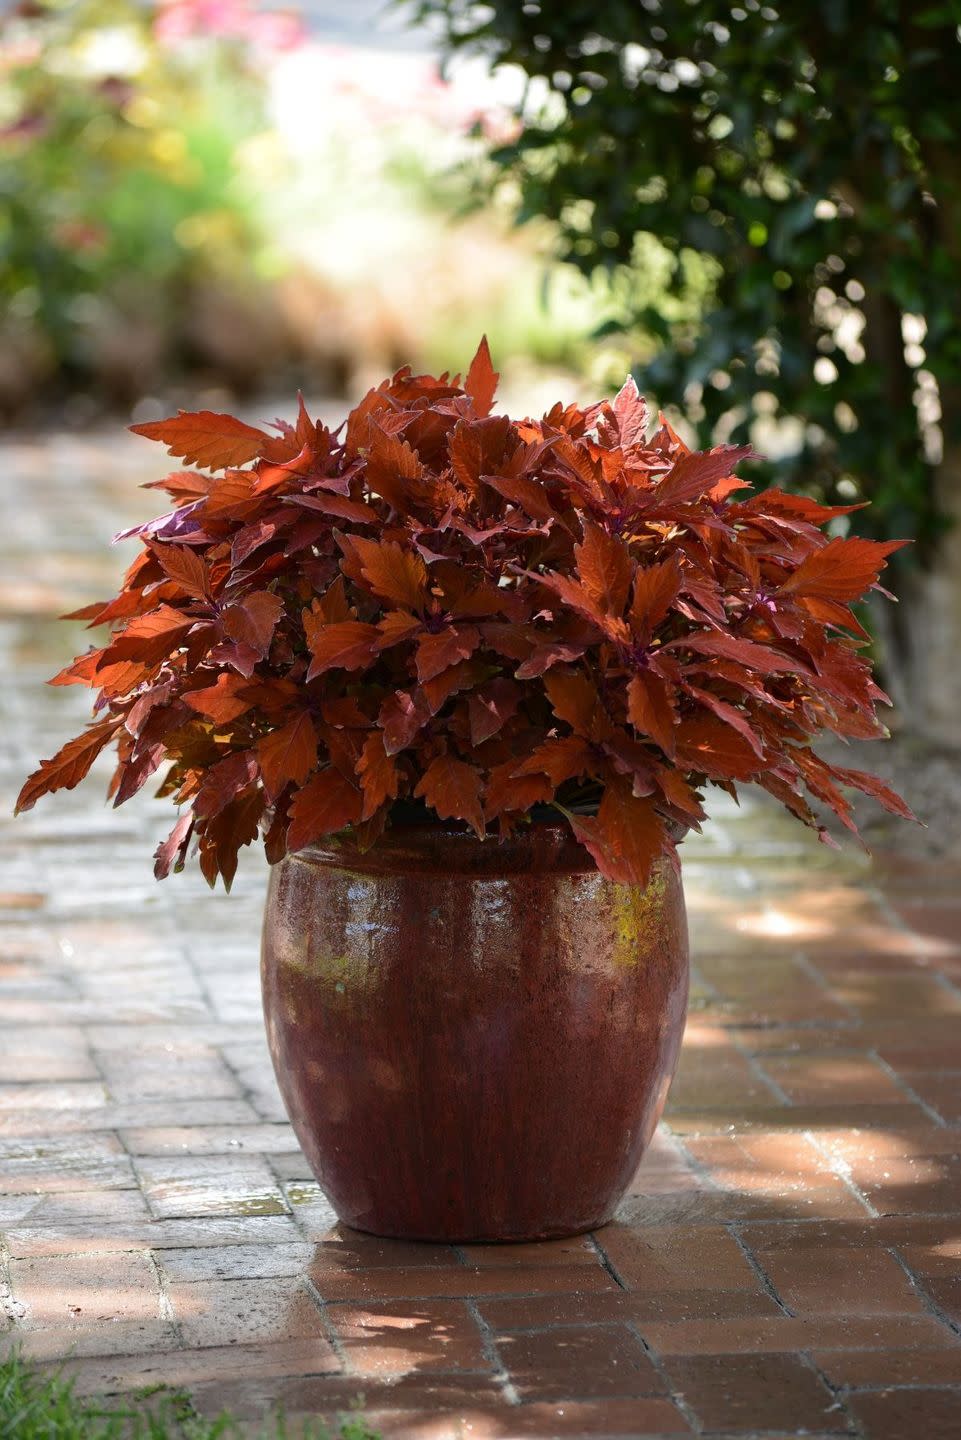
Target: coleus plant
(439,609)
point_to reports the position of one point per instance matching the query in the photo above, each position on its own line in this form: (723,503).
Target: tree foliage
(807,160)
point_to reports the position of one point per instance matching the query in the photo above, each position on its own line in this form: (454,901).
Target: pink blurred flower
(271,31)
(82,235)
(27,127)
(20,53)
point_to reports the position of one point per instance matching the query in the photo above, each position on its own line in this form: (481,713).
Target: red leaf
(139,713)
(149,639)
(655,590)
(394,573)
(468,454)
(576,597)
(462,676)
(528,494)
(482,378)
(630,409)
(604,566)
(745,652)
(696,473)
(221,701)
(544,657)
(491,708)
(564,758)
(288,755)
(348,645)
(730,715)
(81,671)
(396,627)
(252,621)
(680,795)
(507,793)
(238,657)
(379,775)
(395,471)
(123,678)
(172,853)
(68,767)
(231,495)
(223,782)
(205,439)
(707,745)
(841,570)
(374,403)
(401,717)
(436,653)
(819,778)
(574,700)
(185,566)
(339,506)
(237,825)
(871,785)
(182,485)
(651,712)
(250,539)
(333,604)
(325,805)
(452,788)
(796,507)
(627,836)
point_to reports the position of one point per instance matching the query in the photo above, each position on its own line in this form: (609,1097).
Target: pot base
(532,1237)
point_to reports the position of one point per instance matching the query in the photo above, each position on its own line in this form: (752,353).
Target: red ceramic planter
(474,1040)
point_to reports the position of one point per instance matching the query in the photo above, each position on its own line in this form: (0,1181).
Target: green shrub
(794,172)
(121,194)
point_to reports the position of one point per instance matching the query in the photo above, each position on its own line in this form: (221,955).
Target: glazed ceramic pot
(474,1040)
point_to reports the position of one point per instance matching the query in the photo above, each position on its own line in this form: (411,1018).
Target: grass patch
(36,1404)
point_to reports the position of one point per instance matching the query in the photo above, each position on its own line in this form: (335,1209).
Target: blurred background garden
(753,208)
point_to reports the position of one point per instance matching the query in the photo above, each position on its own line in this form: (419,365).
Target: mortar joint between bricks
(840,1393)
(917,1285)
(165,1305)
(489,1347)
(674,1395)
(908,1090)
(777,1090)
(756,1068)
(842,1170)
(607,1264)
(760,1274)
(818,978)
(96,1061)
(330,1329)
(702,1171)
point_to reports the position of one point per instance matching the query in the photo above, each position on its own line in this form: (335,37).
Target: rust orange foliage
(437,610)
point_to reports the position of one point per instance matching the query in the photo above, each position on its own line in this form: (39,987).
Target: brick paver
(788,1259)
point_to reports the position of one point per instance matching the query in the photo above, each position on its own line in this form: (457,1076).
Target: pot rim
(538,846)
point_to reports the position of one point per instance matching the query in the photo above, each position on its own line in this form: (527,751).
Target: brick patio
(788,1260)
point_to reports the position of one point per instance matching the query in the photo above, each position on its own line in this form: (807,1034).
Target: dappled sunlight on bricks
(590,1360)
(85,1290)
(398,1339)
(788,1255)
(229,1312)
